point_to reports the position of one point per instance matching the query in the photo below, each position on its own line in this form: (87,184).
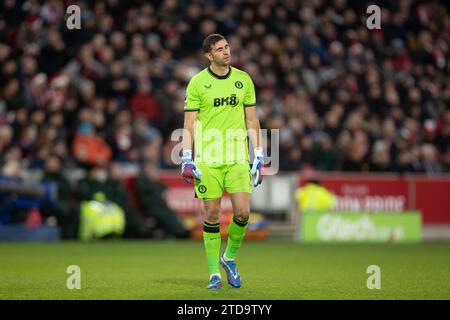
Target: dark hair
(211,40)
(315,181)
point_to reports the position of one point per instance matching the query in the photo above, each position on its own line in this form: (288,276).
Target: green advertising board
(361,227)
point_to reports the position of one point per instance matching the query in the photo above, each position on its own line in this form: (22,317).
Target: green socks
(212,240)
(236,233)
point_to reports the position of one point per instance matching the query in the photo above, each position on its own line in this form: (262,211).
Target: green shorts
(232,178)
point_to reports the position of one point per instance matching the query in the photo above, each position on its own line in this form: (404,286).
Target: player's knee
(212,215)
(242,215)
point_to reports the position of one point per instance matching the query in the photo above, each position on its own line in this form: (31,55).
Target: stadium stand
(345,98)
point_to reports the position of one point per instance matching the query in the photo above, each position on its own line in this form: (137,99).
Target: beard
(223,63)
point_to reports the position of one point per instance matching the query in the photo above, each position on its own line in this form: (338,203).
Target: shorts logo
(201,188)
(238,84)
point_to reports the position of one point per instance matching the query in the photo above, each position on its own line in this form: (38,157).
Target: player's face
(220,53)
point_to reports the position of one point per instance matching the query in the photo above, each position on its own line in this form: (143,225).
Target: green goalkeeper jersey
(220,129)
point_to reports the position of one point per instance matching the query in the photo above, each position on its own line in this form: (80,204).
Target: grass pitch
(157,270)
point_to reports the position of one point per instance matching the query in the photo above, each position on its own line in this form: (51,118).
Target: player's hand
(257,166)
(189,170)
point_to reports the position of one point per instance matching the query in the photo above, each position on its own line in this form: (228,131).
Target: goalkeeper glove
(258,163)
(189,170)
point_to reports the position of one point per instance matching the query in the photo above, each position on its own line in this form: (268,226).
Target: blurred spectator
(6,137)
(135,227)
(430,163)
(11,208)
(109,181)
(89,148)
(381,157)
(324,154)
(149,194)
(143,103)
(64,211)
(314,198)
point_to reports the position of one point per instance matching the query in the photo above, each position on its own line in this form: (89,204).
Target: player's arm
(189,170)
(251,118)
(253,126)
(188,132)
(254,130)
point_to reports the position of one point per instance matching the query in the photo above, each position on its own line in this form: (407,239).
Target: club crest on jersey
(201,188)
(238,84)
(231,101)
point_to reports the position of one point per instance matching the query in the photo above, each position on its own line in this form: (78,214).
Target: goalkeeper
(219,116)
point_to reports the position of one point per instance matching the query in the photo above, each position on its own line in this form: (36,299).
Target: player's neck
(219,70)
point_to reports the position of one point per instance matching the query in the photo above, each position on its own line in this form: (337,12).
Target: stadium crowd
(344,97)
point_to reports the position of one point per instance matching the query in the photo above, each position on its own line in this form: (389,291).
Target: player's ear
(208,56)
